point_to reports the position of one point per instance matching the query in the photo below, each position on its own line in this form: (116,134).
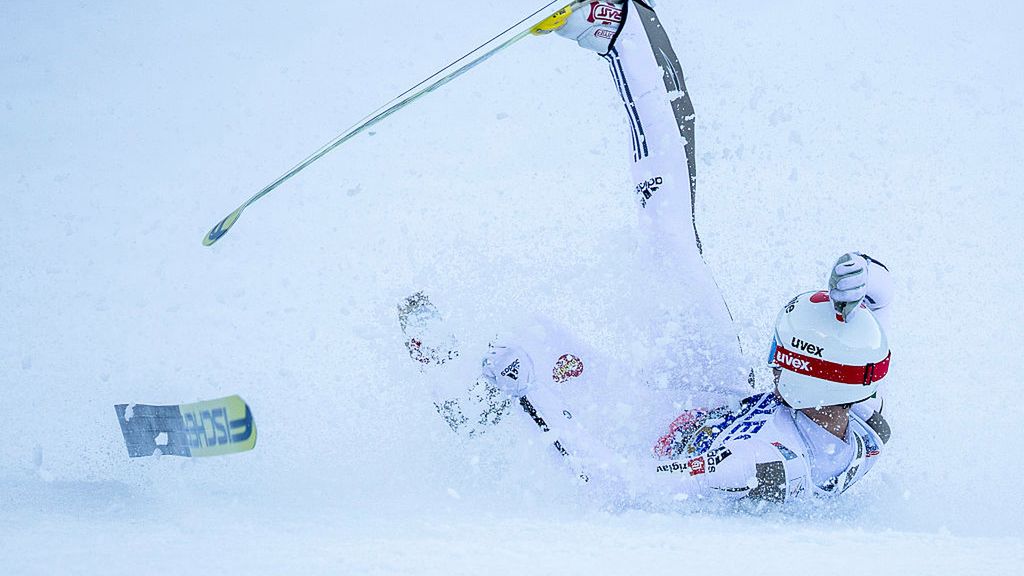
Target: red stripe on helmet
(831,371)
(819,297)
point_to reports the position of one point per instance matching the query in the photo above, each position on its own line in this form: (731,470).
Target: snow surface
(127,129)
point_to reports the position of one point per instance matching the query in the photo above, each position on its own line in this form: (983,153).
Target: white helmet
(826,361)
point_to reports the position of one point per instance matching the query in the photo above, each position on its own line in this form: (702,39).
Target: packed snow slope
(127,129)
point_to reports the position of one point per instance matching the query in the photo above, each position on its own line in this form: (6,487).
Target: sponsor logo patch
(785,359)
(791,305)
(672,468)
(871,447)
(811,349)
(568,366)
(214,427)
(512,370)
(604,13)
(647,189)
(696,465)
(716,457)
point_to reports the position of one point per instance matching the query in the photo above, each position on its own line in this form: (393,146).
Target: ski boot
(593,26)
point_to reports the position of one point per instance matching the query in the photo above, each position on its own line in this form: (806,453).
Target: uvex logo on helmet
(811,349)
(604,13)
(788,360)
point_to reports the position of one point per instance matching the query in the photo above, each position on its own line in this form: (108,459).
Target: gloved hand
(509,368)
(848,283)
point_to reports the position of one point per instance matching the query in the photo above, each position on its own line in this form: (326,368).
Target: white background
(127,129)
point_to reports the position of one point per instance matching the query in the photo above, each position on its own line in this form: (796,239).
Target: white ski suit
(607,424)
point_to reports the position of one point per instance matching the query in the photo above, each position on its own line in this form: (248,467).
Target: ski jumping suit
(756,448)
(604,419)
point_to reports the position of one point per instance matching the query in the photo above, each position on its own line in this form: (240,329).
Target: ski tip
(222,227)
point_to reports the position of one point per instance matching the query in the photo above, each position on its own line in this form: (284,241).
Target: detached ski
(532,24)
(211,428)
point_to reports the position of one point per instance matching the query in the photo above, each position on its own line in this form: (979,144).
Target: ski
(210,428)
(518,31)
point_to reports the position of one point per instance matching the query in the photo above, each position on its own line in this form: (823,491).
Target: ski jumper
(756,448)
(605,421)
